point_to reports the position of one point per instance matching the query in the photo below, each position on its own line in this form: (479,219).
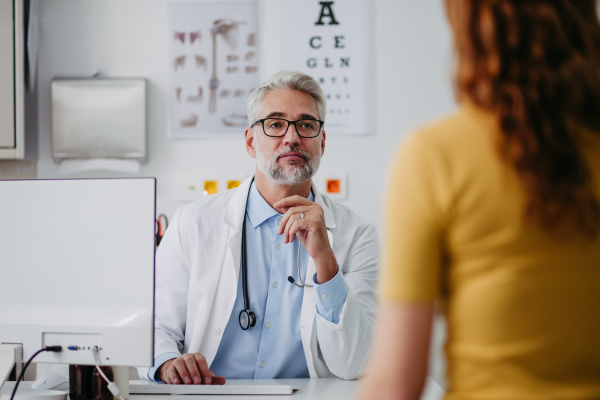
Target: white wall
(128,38)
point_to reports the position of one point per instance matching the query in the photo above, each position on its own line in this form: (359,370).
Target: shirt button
(275,285)
(323,296)
(278,247)
(217,331)
(262,364)
(269,325)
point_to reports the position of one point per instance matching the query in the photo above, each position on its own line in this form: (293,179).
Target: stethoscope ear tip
(291,279)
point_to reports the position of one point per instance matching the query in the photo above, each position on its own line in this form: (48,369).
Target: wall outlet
(211,186)
(233,183)
(187,188)
(334,185)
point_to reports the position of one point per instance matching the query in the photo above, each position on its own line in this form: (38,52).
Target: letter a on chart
(326,5)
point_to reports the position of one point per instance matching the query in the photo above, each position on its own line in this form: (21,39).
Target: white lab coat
(197,271)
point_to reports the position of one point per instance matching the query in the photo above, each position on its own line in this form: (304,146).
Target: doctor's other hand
(306,220)
(189,368)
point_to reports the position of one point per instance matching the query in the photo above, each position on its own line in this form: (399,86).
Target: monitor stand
(121,379)
(10,354)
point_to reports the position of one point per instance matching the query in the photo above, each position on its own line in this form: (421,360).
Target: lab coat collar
(234,216)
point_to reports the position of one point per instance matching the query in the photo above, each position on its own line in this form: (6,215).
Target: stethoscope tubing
(246,315)
(302,283)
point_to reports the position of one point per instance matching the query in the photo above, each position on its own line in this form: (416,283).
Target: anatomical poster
(334,42)
(213,64)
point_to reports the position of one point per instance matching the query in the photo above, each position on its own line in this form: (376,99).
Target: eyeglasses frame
(262,121)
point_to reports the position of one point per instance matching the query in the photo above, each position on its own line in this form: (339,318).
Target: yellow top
(522,305)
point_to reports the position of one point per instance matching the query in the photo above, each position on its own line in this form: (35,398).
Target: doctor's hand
(189,368)
(310,230)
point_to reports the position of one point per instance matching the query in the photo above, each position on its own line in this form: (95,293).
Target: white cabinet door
(7,75)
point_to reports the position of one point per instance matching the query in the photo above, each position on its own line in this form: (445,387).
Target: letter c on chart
(312,40)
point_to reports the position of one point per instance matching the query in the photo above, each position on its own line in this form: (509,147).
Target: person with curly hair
(493,214)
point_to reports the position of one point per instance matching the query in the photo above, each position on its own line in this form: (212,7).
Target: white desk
(313,389)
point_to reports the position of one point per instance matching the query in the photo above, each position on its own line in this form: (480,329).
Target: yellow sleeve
(414,215)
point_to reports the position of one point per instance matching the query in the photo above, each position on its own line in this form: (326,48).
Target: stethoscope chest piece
(247,319)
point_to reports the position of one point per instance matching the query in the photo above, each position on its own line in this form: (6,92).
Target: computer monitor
(77,269)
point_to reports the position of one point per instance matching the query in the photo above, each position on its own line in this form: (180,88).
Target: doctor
(271,279)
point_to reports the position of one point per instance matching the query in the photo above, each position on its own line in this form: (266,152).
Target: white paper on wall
(334,42)
(213,65)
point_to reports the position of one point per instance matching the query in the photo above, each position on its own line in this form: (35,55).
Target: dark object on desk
(80,382)
(85,383)
(100,386)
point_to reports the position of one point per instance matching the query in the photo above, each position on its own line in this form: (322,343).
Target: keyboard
(147,387)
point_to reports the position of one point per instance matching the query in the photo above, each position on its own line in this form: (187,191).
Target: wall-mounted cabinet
(12,78)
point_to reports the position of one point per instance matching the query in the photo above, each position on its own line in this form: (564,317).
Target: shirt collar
(259,210)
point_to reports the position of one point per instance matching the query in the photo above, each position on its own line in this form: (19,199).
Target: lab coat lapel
(229,273)
(309,308)
(329,221)
(234,218)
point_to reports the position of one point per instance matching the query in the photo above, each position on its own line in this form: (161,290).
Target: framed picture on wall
(213,64)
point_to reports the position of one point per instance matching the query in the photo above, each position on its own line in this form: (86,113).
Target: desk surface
(313,389)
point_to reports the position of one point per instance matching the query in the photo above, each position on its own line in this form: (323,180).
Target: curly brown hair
(535,64)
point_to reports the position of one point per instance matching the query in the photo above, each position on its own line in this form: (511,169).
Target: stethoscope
(248,318)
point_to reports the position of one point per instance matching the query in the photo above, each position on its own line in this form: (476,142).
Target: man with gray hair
(271,279)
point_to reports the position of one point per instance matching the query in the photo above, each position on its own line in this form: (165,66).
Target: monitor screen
(77,268)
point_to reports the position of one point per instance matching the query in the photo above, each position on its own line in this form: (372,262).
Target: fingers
(294,211)
(183,376)
(190,368)
(296,228)
(292,201)
(218,380)
(203,366)
(162,371)
(172,377)
(190,363)
(292,228)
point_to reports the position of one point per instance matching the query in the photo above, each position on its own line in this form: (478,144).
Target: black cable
(22,374)
(244,267)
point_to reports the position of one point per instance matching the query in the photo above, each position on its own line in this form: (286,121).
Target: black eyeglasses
(278,127)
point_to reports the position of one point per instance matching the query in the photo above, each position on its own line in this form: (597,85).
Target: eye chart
(213,65)
(334,42)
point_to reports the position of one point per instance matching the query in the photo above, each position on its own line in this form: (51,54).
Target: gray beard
(296,172)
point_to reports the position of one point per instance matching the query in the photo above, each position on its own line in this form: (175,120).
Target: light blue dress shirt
(272,348)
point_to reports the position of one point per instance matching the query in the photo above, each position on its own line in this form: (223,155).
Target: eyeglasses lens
(278,127)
